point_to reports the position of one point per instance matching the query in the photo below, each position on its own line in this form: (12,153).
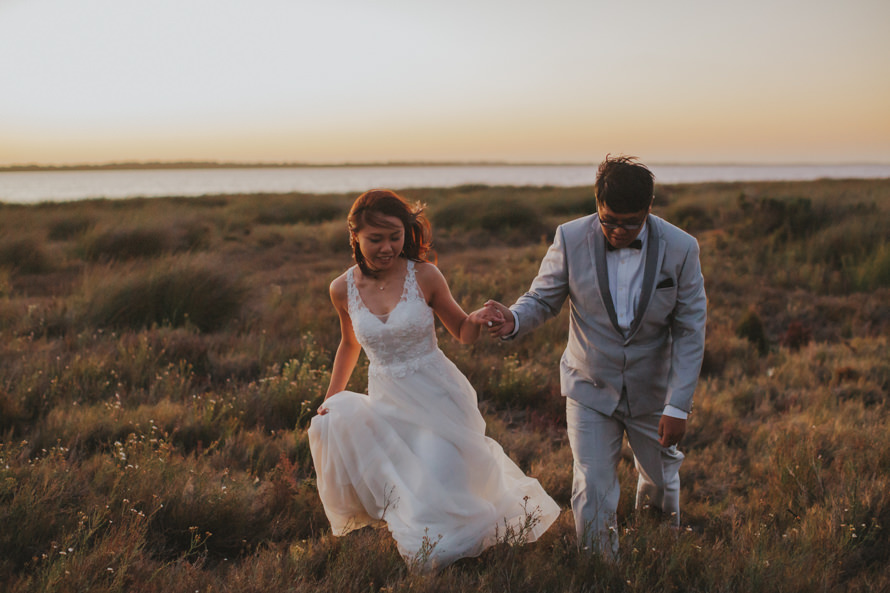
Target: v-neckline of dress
(385,316)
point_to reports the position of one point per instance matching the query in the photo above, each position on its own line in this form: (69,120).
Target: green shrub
(287,398)
(38,504)
(12,412)
(787,218)
(298,208)
(144,241)
(751,328)
(848,242)
(69,227)
(193,235)
(126,243)
(691,217)
(874,272)
(184,292)
(568,202)
(25,256)
(504,217)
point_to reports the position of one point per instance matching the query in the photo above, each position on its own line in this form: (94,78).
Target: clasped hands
(496,317)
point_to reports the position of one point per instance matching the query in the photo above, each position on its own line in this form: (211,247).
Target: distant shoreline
(226,165)
(161,165)
(189,179)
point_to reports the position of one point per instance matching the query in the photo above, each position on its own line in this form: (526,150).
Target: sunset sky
(331,81)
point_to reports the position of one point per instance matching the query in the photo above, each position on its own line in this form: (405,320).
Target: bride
(412,453)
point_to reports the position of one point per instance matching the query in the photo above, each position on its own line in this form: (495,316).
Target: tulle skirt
(413,454)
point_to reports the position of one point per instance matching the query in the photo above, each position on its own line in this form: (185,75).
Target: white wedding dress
(413,452)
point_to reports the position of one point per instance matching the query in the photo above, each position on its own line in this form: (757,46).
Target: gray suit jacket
(658,362)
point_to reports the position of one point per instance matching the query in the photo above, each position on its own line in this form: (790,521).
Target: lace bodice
(401,342)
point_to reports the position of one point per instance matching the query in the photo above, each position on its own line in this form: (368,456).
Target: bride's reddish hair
(371,207)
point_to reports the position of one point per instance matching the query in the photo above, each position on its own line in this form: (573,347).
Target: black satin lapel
(597,242)
(654,256)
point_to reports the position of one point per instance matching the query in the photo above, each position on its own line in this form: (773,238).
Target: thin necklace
(381,286)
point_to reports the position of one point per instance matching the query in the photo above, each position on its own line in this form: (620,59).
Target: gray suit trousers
(596,441)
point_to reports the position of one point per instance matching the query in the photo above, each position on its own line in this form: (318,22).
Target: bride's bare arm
(465,328)
(349,348)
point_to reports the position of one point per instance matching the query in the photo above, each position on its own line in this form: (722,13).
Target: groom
(636,340)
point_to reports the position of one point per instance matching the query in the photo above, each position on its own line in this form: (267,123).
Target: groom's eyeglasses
(614,226)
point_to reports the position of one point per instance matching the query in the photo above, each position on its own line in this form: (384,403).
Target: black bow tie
(635,244)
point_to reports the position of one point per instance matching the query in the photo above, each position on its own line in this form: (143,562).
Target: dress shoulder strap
(351,290)
(412,289)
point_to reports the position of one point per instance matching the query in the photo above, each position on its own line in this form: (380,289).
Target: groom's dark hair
(624,184)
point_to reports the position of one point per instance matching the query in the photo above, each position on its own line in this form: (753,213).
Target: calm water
(32,186)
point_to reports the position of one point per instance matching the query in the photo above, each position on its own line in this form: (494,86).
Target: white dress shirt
(626,267)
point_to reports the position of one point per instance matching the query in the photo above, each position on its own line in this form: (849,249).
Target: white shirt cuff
(515,331)
(673,412)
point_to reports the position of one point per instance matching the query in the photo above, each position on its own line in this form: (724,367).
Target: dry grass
(160,360)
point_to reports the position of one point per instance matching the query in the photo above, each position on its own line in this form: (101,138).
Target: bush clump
(126,244)
(145,242)
(788,218)
(503,217)
(751,328)
(297,208)
(875,271)
(69,227)
(691,217)
(25,256)
(184,293)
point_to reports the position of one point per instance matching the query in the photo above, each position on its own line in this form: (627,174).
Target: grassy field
(160,360)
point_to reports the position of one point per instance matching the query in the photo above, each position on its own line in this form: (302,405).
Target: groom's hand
(486,316)
(671,430)
(505,328)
